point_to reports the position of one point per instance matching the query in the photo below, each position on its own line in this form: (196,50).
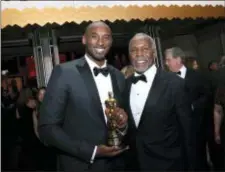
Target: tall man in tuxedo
(198,93)
(72,117)
(159,115)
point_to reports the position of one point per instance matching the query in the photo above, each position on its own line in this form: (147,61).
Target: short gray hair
(176,52)
(149,38)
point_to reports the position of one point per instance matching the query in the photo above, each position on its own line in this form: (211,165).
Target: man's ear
(179,59)
(84,39)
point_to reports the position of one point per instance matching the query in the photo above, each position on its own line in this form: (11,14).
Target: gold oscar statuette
(114,138)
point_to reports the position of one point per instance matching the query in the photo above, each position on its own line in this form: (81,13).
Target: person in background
(221,71)
(219,121)
(128,71)
(117,63)
(216,77)
(26,104)
(14,88)
(213,66)
(124,61)
(9,126)
(48,153)
(191,63)
(197,90)
(40,96)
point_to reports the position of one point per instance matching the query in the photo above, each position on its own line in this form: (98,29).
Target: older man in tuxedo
(198,93)
(72,116)
(159,115)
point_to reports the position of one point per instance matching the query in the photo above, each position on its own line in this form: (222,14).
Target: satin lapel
(155,92)
(127,97)
(95,103)
(116,90)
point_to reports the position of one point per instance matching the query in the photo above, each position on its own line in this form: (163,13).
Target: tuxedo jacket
(199,94)
(162,140)
(197,89)
(71,116)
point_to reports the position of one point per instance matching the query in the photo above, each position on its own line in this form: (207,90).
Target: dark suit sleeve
(183,111)
(204,92)
(52,116)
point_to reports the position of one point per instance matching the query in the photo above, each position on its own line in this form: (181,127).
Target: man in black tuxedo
(159,115)
(198,93)
(72,117)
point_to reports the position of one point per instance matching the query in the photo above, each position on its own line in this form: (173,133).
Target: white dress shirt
(183,71)
(104,86)
(139,93)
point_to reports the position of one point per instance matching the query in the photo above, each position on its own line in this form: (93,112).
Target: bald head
(96,24)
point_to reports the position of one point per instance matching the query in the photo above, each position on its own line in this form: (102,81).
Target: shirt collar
(92,64)
(183,71)
(149,73)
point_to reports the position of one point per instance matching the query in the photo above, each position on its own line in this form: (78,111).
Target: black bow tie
(104,71)
(178,73)
(135,79)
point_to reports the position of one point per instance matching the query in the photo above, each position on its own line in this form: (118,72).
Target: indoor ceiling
(16,42)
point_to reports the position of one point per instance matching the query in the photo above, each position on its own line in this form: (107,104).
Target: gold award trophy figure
(114,138)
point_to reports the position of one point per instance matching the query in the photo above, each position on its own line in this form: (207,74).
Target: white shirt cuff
(93,155)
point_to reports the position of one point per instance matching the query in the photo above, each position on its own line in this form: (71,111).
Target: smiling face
(141,53)
(98,40)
